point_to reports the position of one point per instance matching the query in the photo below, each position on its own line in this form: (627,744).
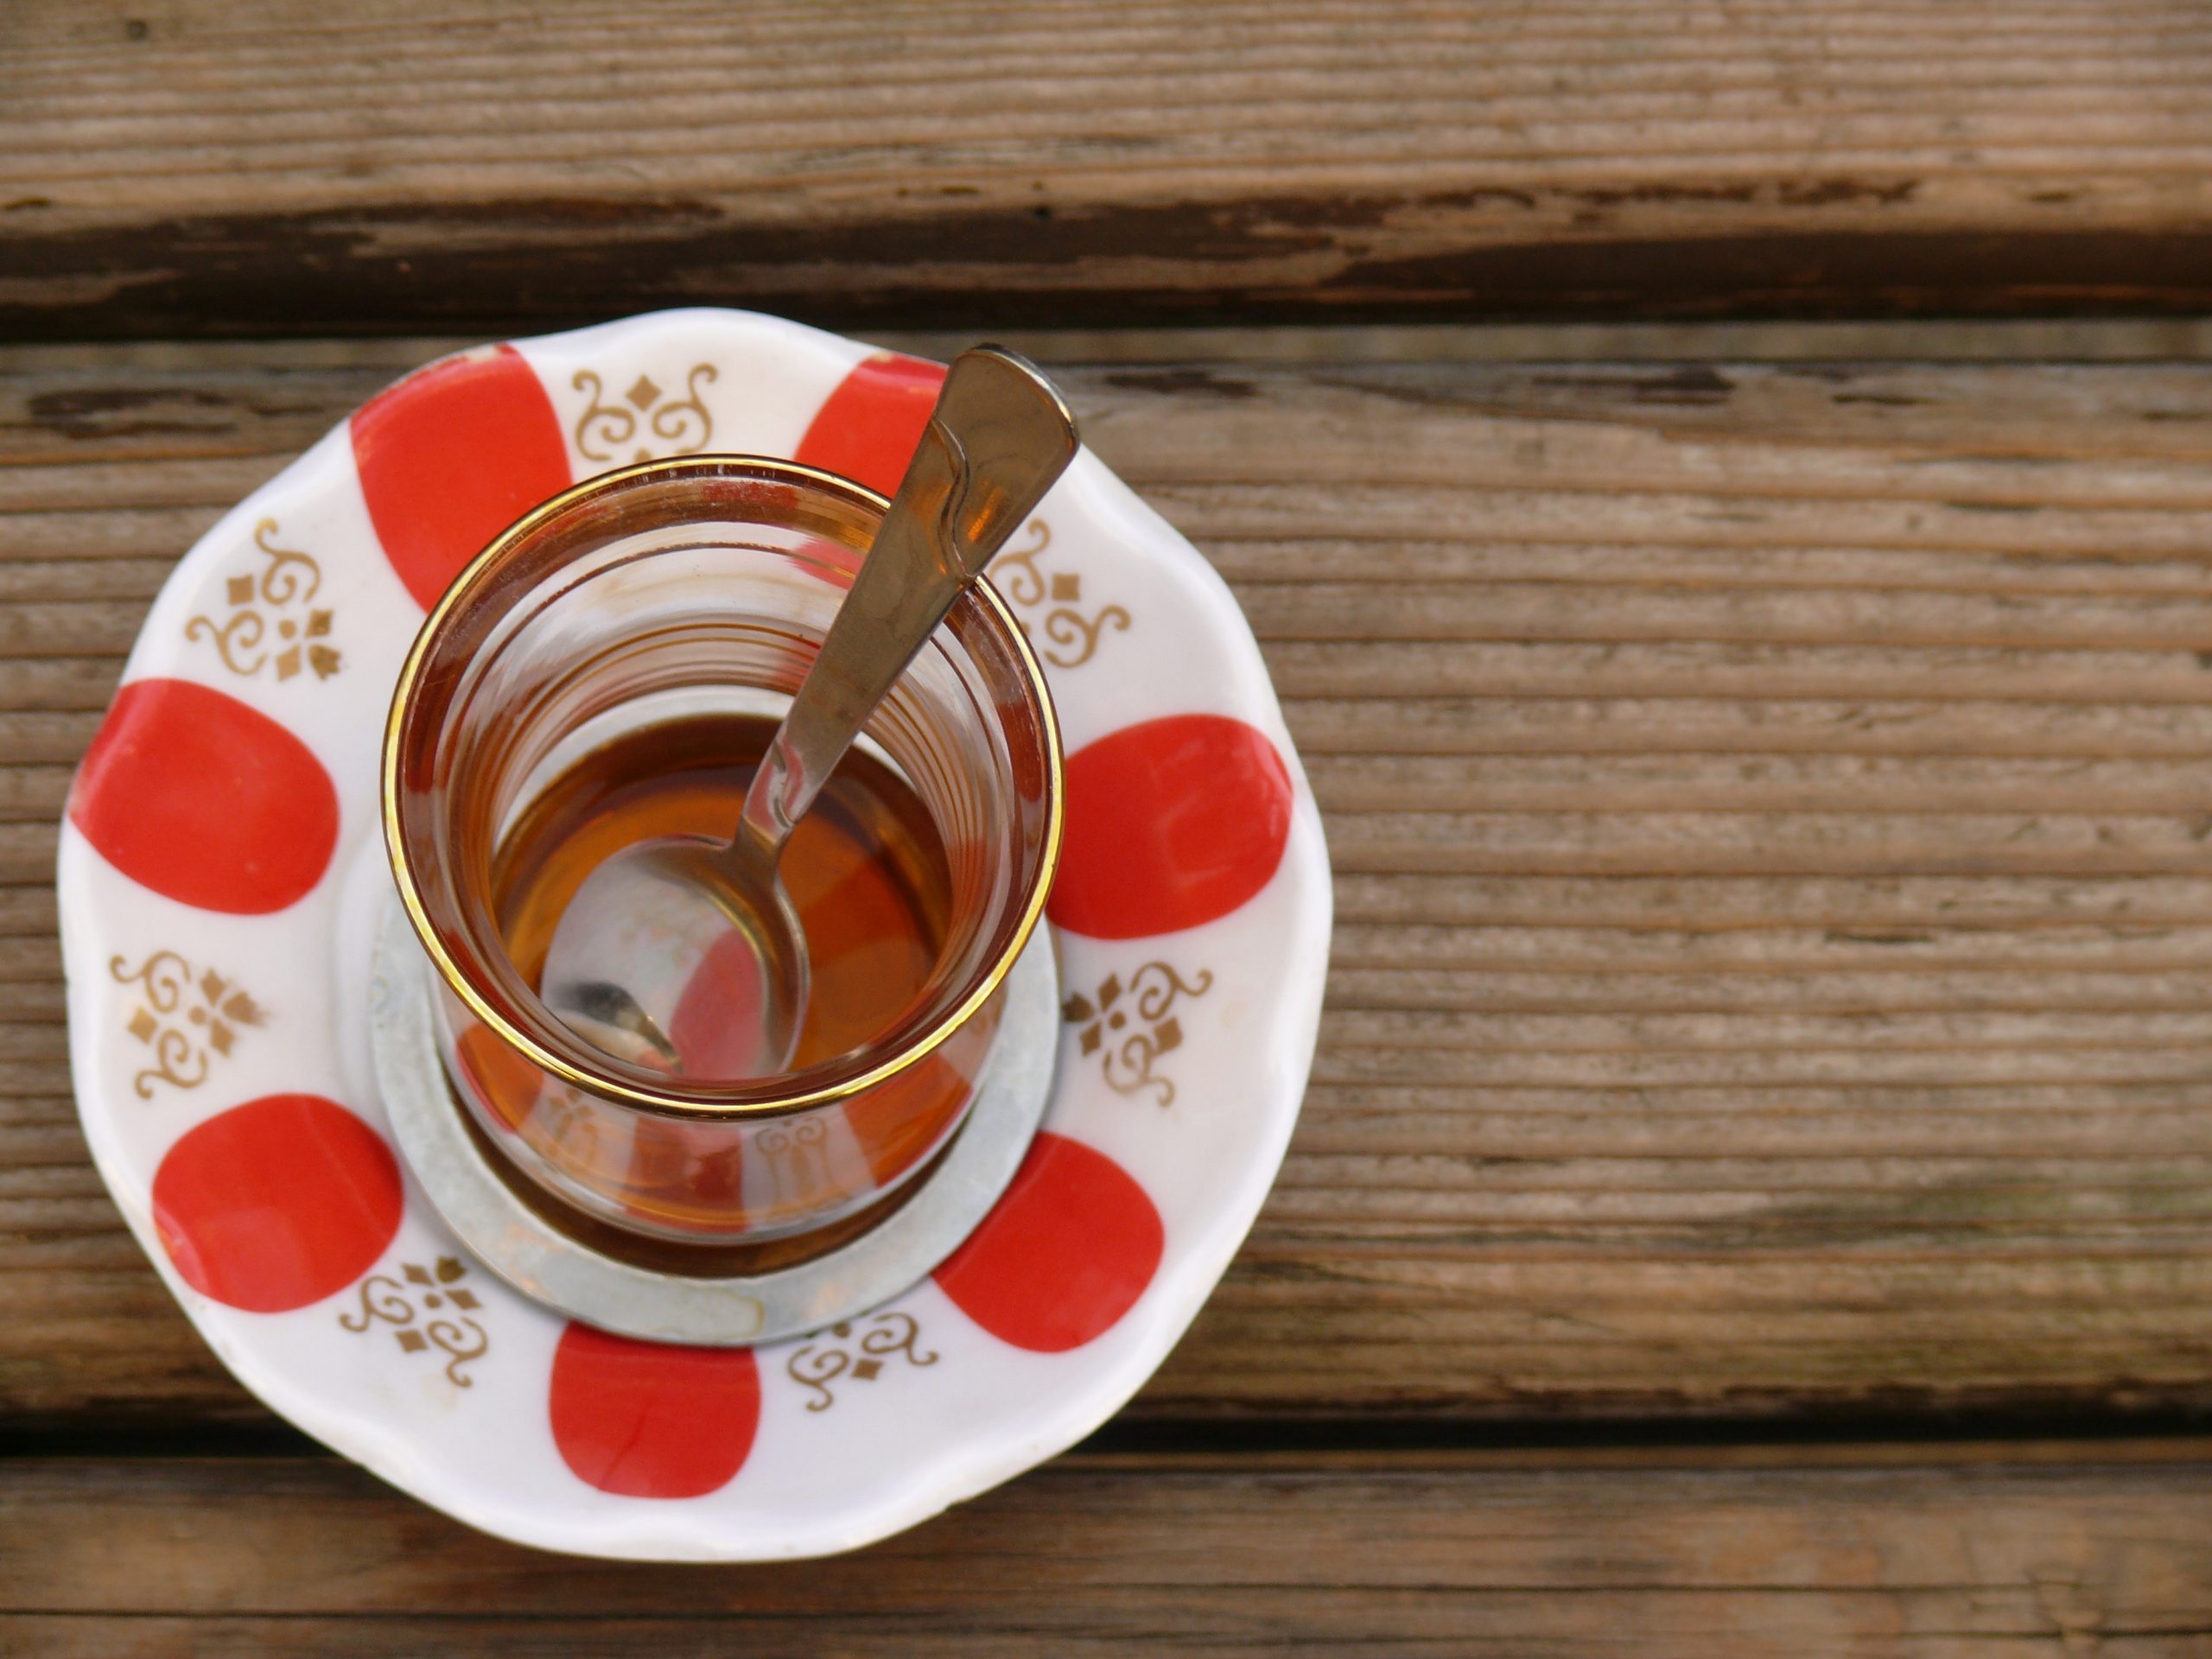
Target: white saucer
(222,873)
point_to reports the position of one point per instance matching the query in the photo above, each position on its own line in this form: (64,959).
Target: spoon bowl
(667,962)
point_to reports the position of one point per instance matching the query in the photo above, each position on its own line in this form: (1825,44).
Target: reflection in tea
(865,868)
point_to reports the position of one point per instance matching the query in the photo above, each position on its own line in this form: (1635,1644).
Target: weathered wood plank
(169,172)
(1775,888)
(1096,1555)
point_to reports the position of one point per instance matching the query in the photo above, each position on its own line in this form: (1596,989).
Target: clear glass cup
(662,590)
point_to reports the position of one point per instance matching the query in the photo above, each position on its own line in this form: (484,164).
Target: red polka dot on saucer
(222,878)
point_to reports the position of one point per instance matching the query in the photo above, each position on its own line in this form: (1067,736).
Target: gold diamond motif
(417,1305)
(861,1356)
(265,608)
(1126,1050)
(190,1019)
(644,423)
(1053,599)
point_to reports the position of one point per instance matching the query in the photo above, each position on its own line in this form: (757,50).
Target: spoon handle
(998,437)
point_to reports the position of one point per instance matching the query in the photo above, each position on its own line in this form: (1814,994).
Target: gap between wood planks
(1960,339)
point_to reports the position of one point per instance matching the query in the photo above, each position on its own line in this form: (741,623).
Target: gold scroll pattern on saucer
(269,619)
(1052,601)
(427,1310)
(856,1351)
(187,1020)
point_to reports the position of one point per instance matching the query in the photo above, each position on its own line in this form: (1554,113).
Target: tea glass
(651,593)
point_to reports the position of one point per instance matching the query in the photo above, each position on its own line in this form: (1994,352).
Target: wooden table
(1756,1191)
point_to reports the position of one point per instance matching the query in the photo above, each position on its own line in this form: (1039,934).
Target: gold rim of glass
(706,1103)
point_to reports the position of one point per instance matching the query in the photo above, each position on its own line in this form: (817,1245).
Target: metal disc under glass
(550,1265)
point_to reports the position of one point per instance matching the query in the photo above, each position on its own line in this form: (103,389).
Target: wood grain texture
(1774,853)
(1095,1556)
(169,168)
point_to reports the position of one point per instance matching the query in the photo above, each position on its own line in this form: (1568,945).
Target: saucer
(222,879)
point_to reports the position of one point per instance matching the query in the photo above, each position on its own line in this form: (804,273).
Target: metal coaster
(547,1265)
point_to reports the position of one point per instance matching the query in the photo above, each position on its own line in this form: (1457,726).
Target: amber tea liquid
(865,867)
